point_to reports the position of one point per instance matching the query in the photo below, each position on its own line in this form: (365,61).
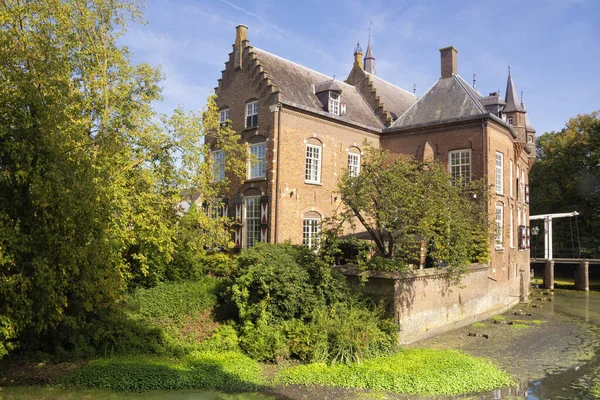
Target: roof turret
(512,104)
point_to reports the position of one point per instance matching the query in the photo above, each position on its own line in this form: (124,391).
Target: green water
(53,393)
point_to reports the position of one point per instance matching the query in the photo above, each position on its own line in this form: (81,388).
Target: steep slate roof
(297,84)
(492,99)
(395,99)
(448,99)
(528,126)
(512,103)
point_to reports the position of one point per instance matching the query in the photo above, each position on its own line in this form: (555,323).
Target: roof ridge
(414,104)
(476,102)
(390,83)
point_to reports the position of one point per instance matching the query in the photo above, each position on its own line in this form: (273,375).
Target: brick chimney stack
(449,62)
(241,35)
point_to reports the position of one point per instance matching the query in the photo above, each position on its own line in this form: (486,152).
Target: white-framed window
(511,226)
(311,227)
(510,174)
(353,164)
(499,226)
(334,103)
(459,165)
(224,116)
(530,139)
(499,173)
(510,121)
(217,209)
(523,187)
(252,223)
(257,165)
(252,114)
(218,158)
(313,164)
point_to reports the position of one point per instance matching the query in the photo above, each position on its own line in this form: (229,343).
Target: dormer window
(334,103)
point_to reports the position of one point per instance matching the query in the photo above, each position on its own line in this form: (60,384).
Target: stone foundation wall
(426,303)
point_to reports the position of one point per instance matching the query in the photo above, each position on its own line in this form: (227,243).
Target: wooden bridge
(582,271)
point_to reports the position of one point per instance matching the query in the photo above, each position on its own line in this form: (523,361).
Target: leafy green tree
(410,208)
(90,175)
(566,177)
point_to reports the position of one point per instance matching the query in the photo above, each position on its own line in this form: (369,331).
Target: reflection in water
(573,383)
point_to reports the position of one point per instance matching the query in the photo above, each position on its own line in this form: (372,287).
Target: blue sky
(552,46)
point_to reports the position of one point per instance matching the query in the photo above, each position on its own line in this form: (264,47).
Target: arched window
(311,229)
(312,173)
(353,161)
(224,115)
(257,163)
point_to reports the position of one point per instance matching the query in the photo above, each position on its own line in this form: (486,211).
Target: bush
(281,281)
(343,251)
(342,334)
(224,338)
(218,264)
(379,263)
(264,341)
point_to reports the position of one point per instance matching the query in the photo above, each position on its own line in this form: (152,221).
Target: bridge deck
(592,261)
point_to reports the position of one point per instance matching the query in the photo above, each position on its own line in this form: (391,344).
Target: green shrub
(173,300)
(218,264)
(379,263)
(225,371)
(224,338)
(337,251)
(595,390)
(418,371)
(264,340)
(282,281)
(341,334)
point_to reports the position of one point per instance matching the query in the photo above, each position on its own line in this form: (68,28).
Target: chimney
(449,65)
(241,35)
(358,56)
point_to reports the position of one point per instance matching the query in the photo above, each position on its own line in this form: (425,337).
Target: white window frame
(224,115)
(511,178)
(251,220)
(510,121)
(499,226)
(312,171)
(523,186)
(353,164)
(311,228)
(334,103)
(218,159)
(499,173)
(257,163)
(252,114)
(217,209)
(459,164)
(511,226)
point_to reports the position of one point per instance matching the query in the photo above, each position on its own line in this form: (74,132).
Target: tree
(410,208)
(566,177)
(89,174)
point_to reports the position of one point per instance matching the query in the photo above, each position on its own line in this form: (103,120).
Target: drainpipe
(277,173)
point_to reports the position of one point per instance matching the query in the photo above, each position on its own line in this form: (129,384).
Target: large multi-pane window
(217,209)
(499,226)
(311,227)
(313,164)
(252,114)
(499,173)
(510,175)
(459,164)
(510,224)
(252,221)
(224,116)
(257,165)
(218,158)
(353,164)
(334,103)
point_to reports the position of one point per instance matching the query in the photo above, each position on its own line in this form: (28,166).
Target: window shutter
(528,237)
(526,194)
(237,235)
(343,109)
(264,219)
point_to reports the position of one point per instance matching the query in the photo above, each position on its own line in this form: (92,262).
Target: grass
(498,318)
(414,371)
(478,325)
(225,371)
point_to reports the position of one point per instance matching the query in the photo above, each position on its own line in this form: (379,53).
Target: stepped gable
(297,83)
(449,99)
(394,99)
